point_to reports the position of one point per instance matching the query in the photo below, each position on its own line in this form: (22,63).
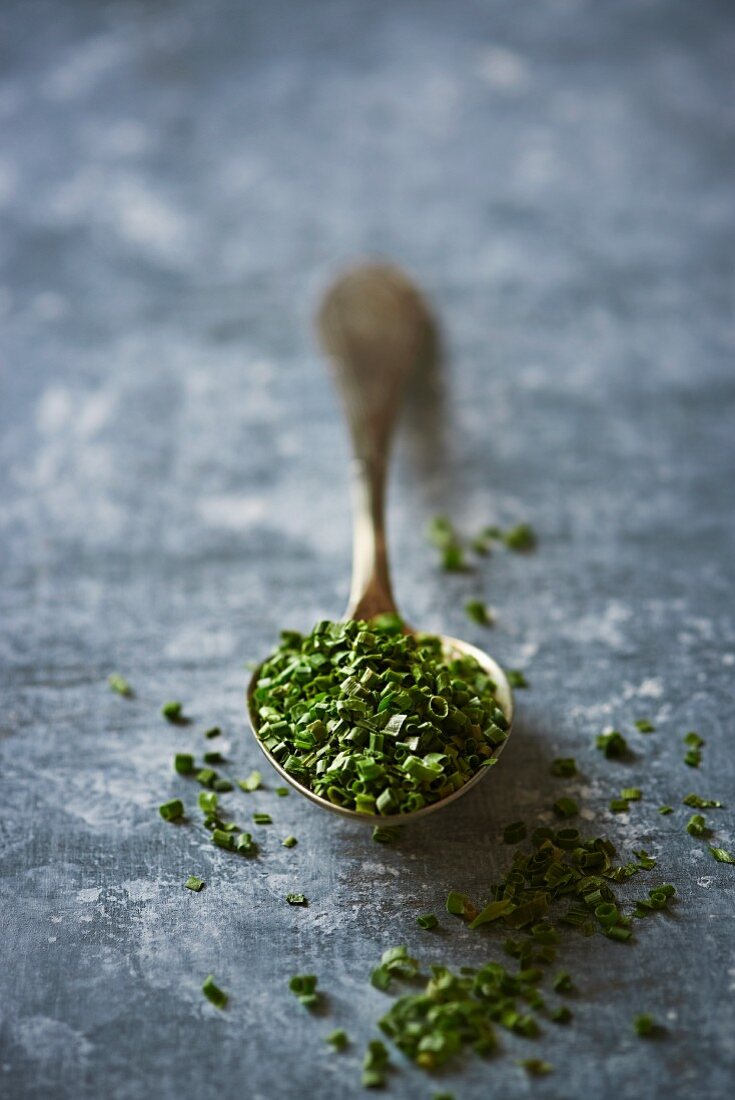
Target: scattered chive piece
(453,559)
(515,832)
(561,1015)
(385,835)
(427,921)
(693,755)
(619,805)
(702,803)
(120,685)
(666,809)
(214,758)
(222,785)
(252,783)
(721,855)
(213,993)
(477,611)
(206,776)
(644,860)
(282,792)
(338,1039)
(563,982)
(173,810)
(194,883)
(694,740)
(374,1065)
(565,807)
(697,826)
(520,537)
(208,801)
(645,725)
(515,677)
(304,986)
(440,532)
(262,819)
(613,744)
(564,767)
(213,731)
(459,905)
(631,794)
(645,1026)
(296,899)
(289,842)
(223,838)
(536,1066)
(172,711)
(245,845)
(184,763)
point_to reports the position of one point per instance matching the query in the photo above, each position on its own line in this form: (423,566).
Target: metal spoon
(376,329)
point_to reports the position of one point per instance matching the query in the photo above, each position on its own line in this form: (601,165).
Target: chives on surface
(536,1066)
(666,809)
(213,731)
(338,1039)
(693,755)
(478,612)
(516,678)
(303,986)
(631,794)
(297,899)
(173,810)
(289,842)
(644,725)
(282,792)
(214,758)
(721,855)
(376,720)
(194,883)
(697,826)
(120,685)
(564,767)
(565,807)
(252,783)
(184,763)
(427,921)
(613,744)
(521,537)
(385,835)
(173,711)
(262,819)
(702,803)
(645,1026)
(213,993)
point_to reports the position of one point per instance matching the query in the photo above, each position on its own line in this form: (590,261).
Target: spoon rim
(503,694)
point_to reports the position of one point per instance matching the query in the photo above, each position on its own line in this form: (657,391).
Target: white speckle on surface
(52,1044)
(83,68)
(231,511)
(706,881)
(503,69)
(89,894)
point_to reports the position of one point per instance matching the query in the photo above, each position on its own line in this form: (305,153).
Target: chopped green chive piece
(214,758)
(564,767)
(721,855)
(374,1065)
(453,559)
(645,1026)
(478,612)
(194,883)
(222,785)
(213,731)
(631,794)
(304,986)
(492,912)
(173,810)
(427,921)
(619,805)
(245,845)
(515,678)
(694,740)
(613,744)
(536,1066)
(697,826)
(515,832)
(206,776)
(223,838)
(459,905)
(262,819)
(666,809)
(184,763)
(213,993)
(521,537)
(644,860)
(702,803)
(282,792)
(172,712)
(296,899)
(120,685)
(440,532)
(208,801)
(693,755)
(289,842)
(338,1039)
(645,725)
(252,783)
(385,835)
(563,982)
(565,807)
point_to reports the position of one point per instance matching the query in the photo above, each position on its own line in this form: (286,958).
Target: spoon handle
(375,327)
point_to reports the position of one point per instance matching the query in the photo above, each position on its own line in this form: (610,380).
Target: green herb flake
(385,835)
(645,1026)
(213,993)
(208,801)
(120,685)
(645,725)
(516,678)
(206,777)
(564,767)
(172,811)
(252,783)
(522,537)
(337,1039)
(478,612)
(666,810)
(213,731)
(214,758)
(645,861)
(297,899)
(536,1067)
(631,794)
(282,792)
(697,826)
(702,803)
(612,744)
(262,819)
(515,832)
(289,842)
(427,921)
(619,805)
(303,986)
(222,785)
(721,855)
(184,763)
(172,712)
(194,883)
(565,807)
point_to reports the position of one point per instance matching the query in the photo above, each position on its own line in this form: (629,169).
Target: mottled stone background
(177,180)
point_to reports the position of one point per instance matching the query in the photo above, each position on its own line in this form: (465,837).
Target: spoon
(376,329)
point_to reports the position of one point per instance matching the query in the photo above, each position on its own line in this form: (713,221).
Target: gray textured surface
(176,181)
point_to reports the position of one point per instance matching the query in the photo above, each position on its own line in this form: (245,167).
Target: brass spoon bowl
(376,329)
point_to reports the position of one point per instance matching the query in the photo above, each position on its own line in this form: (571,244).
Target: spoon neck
(371,592)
